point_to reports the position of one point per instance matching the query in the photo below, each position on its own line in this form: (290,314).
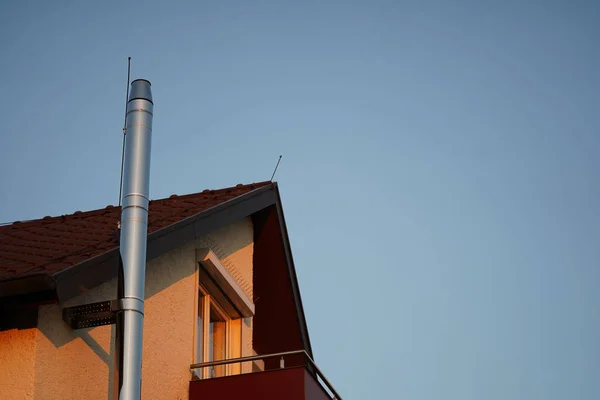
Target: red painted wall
(313,389)
(280,384)
(276,324)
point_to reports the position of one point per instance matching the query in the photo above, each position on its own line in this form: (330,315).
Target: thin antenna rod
(124,128)
(273,176)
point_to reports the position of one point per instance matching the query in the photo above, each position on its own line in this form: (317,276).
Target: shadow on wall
(50,321)
(89,353)
(224,242)
(62,352)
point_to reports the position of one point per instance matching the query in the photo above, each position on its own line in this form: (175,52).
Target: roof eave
(79,278)
(22,285)
(83,276)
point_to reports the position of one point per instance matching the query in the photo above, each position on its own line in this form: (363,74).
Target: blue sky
(439,176)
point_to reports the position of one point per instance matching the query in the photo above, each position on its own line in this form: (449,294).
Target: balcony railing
(198,370)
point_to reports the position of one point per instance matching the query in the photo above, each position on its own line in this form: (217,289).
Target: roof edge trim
(21,285)
(293,276)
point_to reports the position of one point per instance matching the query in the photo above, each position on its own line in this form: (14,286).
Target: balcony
(290,375)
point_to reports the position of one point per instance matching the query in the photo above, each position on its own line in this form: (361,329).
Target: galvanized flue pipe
(134,235)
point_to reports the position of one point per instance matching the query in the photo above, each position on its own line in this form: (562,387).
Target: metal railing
(282,356)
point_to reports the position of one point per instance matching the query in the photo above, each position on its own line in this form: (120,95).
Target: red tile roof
(52,244)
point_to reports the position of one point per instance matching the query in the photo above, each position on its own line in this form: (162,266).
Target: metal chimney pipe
(134,234)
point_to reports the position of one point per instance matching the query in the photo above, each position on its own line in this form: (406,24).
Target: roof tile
(51,244)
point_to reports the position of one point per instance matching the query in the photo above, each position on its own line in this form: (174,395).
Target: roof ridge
(79,215)
(212,191)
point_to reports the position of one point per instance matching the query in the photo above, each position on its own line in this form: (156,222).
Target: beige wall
(54,362)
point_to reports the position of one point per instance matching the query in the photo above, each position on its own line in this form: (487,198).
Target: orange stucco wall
(17,359)
(54,362)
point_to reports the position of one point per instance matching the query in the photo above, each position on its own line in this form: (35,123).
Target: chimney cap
(140,89)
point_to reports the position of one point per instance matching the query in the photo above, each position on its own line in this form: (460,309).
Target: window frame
(207,304)
(214,285)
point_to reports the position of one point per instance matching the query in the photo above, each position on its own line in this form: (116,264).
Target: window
(222,307)
(218,337)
